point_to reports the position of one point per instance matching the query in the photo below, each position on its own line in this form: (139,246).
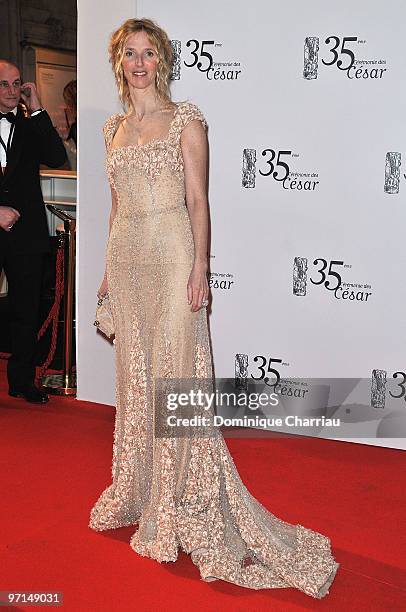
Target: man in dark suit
(25,143)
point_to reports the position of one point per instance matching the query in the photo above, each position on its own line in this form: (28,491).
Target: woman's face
(140,61)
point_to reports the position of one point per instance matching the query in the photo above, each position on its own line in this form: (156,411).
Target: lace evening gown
(181,492)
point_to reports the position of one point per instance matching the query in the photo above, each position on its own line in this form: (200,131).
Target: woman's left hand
(197,287)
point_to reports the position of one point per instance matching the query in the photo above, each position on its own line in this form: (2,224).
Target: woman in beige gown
(182,492)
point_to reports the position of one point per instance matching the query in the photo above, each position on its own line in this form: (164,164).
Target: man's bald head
(10,86)
(5,63)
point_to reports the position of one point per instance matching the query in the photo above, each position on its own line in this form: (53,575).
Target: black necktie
(9,116)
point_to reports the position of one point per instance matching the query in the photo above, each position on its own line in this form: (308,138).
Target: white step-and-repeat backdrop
(305,104)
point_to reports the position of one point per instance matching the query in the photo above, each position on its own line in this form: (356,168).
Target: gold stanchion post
(65,383)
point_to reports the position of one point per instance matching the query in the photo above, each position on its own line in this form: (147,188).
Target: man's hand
(8,216)
(32,100)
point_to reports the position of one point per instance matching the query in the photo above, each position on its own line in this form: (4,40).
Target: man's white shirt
(5,127)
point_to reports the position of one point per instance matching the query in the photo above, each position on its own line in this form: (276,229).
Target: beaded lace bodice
(156,154)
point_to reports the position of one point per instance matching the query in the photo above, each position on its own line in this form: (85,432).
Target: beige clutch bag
(104,318)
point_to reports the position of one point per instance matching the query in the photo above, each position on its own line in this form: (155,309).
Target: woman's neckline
(149,142)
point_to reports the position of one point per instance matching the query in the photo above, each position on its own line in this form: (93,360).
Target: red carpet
(56,459)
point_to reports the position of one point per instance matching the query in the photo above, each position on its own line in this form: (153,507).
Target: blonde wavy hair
(159,39)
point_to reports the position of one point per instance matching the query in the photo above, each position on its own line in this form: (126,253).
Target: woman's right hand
(103,289)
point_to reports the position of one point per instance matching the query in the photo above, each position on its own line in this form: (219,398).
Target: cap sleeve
(109,129)
(188,113)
